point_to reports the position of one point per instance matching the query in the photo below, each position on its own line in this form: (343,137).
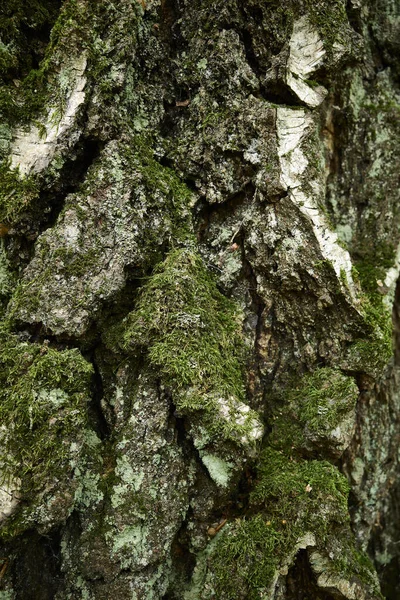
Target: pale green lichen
(88,492)
(220,470)
(126,487)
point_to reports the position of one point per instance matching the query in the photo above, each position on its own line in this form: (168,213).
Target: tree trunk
(200,233)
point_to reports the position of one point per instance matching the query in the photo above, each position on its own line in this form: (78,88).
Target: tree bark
(199,310)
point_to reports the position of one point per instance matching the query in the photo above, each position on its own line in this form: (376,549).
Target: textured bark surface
(199,320)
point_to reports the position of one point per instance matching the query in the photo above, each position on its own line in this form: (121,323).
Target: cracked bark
(198,266)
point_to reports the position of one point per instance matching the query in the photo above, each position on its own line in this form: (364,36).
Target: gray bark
(199,362)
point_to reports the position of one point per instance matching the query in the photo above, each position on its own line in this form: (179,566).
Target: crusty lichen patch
(127,210)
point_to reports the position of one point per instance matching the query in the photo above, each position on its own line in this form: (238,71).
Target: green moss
(323,398)
(330,18)
(293,499)
(282,490)
(189,326)
(372,352)
(43,401)
(160,179)
(191,333)
(16,193)
(7,279)
(373,266)
(319,403)
(75,263)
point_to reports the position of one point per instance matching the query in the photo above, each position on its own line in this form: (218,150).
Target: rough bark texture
(200,234)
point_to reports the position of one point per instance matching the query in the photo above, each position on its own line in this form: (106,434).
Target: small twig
(4,567)
(220,526)
(236,232)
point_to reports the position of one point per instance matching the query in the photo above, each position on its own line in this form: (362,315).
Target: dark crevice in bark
(35,569)
(20,248)
(169,26)
(72,175)
(36,333)
(183,559)
(385,529)
(95,411)
(354,17)
(301,582)
(389,578)
(256,383)
(204,212)
(165,161)
(27,27)
(179,425)
(239,503)
(252,60)
(278,92)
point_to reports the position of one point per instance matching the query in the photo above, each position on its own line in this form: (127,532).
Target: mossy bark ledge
(199,300)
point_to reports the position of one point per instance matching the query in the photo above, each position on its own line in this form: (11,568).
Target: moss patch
(372,353)
(16,193)
(293,499)
(7,279)
(43,402)
(294,503)
(192,336)
(330,18)
(318,404)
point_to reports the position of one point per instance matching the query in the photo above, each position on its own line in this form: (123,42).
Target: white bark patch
(327,578)
(31,150)
(9,498)
(239,414)
(292,128)
(306,54)
(391,278)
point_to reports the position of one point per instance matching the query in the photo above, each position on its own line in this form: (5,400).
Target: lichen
(219,470)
